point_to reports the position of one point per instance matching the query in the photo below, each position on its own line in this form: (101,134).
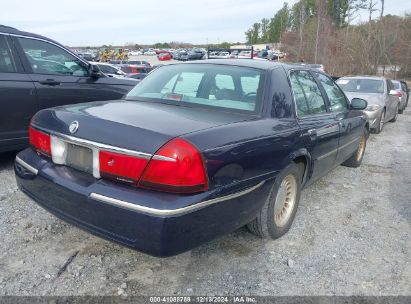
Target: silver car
(379,92)
(401,94)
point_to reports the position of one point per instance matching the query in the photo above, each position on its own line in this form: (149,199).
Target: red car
(164,56)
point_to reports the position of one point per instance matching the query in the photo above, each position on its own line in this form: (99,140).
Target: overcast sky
(91,22)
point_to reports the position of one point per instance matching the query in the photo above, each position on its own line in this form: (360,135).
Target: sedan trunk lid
(133,125)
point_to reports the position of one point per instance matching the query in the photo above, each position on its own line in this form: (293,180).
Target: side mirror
(393,92)
(358,104)
(95,71)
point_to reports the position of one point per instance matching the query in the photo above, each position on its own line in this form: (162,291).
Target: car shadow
(7,160)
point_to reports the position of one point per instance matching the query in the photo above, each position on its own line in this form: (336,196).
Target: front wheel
(381,122)
(277,214)
(394,119)
(356,159)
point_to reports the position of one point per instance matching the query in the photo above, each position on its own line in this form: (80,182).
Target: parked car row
(190,54)
(386,98)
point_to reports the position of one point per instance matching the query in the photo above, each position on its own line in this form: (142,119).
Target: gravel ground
(351,236)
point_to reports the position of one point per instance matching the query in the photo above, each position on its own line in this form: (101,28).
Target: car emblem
(73,127)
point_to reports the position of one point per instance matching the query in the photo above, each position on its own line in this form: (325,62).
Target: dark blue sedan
(193,152)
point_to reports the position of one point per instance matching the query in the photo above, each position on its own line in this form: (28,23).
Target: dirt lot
(351,235)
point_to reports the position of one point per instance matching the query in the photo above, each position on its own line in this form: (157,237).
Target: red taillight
(121,167)
(40,141)
(176,167)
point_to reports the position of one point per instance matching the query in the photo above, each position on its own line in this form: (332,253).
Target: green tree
(278,24)
(249,36)
(163,45)
(256,32)
(264,30)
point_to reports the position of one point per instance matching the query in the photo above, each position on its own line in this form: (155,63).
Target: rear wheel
(380,125)
(356,159)
(277,214)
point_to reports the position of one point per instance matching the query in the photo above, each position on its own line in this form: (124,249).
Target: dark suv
(37,73)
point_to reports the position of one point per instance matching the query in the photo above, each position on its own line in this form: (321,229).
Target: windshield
(204,85)
(397,85)
(361,85)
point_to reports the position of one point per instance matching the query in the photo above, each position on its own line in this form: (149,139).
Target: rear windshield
(397,85)
(203,85)
(361,85)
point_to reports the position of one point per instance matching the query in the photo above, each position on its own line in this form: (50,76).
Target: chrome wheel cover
(285,200)
(382,120)
(361,148)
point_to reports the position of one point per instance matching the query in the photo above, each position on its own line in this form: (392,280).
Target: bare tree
(371,9)
(302,17)
(320,6)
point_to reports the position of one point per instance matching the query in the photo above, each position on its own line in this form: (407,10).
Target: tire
(394,119)
(380,126)
(355,159)
(264,225)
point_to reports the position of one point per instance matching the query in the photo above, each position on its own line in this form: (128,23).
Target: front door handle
(312,133)
(50,82)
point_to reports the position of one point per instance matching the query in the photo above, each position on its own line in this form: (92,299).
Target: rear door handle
(50,82)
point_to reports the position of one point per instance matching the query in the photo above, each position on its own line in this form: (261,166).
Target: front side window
(107,69)
(307,94)
(336,98)
(7,64)
(46,58)
(203,85)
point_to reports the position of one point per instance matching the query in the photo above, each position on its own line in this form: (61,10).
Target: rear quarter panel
(248,152)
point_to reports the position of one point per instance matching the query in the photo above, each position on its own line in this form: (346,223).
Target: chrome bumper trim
(26,165)
(168,212)
(93,144)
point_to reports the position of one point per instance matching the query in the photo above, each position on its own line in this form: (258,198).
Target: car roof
(13,31)
(251,63)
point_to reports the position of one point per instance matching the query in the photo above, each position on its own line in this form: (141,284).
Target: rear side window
(7,64)
(46,58)
(307,94)
(390,85)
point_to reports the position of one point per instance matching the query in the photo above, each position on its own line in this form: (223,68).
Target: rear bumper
(159,224)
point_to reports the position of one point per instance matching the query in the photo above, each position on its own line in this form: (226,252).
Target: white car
(135,53)
(223,55)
